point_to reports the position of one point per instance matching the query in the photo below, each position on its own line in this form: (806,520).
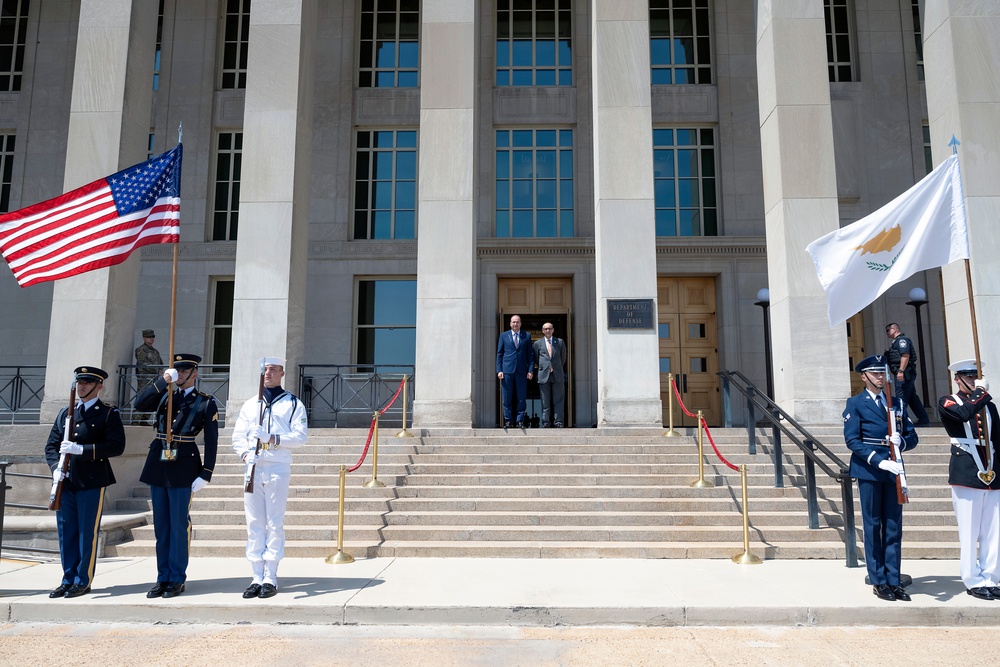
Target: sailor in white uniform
(265,433)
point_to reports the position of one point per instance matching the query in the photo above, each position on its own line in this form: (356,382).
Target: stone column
(628,376)
(446,234)
(93,315)
(962,72)
(811,378)
(272,244)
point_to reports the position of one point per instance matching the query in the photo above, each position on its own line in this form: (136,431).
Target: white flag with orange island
(923,228)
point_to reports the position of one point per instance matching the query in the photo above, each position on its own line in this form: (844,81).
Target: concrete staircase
(556,494)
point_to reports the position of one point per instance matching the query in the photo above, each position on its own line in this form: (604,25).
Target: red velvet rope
(371,429)
(704,425)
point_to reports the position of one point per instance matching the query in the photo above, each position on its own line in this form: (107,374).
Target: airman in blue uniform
(866,432)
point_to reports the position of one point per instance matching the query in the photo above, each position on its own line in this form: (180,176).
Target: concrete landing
(503,591)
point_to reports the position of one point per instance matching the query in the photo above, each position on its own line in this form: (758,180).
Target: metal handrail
(333,391)
(4,505)
(213,379)
(21,391)
(781,422)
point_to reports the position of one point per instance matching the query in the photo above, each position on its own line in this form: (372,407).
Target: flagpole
(173,323)
(972,313)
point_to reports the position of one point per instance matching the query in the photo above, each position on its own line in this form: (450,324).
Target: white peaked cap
(272,361)
(964,366)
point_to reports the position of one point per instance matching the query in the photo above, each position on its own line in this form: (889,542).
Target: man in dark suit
(866,432)
(550,359)
(973,423)
(515,365)
(97,435)
(175,470)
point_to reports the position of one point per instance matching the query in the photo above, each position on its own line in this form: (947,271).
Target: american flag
(97,225)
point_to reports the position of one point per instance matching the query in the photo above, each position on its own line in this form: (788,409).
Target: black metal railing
(346,395)
(21,391)
(212,379)
(4,505)
(816,454)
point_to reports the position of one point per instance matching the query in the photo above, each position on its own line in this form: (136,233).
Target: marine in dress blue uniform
(866,432)
(174,473)
(97,436)
(970,417)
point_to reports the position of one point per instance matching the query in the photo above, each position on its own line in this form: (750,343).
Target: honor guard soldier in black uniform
(973,424)
(98,435)
(175,470)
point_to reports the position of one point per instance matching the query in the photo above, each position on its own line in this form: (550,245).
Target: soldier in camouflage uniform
(147,366)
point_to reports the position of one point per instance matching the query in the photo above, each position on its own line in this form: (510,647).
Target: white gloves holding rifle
(70,447)
(57,475)
(198,484)
(250,458)
(894,440)
(895,467)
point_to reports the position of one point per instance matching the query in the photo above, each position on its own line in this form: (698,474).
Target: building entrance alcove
(537,301)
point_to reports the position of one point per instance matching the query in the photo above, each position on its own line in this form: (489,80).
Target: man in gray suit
(550,360)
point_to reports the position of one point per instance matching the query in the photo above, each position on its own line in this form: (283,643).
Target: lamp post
(918,297)
(764,301)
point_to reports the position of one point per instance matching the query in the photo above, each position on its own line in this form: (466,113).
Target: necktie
(880,402)
(548,345)
(517,339)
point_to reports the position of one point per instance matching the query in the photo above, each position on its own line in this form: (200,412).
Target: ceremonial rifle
(55,495)
(248,477)
(902,496)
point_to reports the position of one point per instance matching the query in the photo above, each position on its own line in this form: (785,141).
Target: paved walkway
(520,592)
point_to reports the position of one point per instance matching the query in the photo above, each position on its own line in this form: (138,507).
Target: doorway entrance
(688,333)
(537,301)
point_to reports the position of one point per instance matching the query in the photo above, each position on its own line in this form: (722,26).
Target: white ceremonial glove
(982,384)
(894,439)
(170,375)
(68,447)
(250,458)
(254,434)
(198,484)
(57,475)
(895,467)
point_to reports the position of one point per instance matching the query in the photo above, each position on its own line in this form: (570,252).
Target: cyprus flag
(921,229)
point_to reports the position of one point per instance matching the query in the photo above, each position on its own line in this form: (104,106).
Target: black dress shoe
(981,592)
(507,425)
(884,592)
(76,591)
(900,593)
(157,589)
(251,592)
(60,591)
(267,591)
(520,424)
(994,591)
(173,590)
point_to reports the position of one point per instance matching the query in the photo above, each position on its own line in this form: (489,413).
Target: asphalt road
(376,646)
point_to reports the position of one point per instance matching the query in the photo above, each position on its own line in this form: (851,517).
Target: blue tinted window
(389,50)
(680,42)
(534,183)
(534,43)
(385,184)
(684,185)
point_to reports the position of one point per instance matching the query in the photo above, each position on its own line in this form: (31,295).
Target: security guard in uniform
(175,472)
(973,424)
(866,432)
(97,435)
(903,364)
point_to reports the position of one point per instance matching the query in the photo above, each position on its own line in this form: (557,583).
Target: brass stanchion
(340,557)
(404,433)
(701,482)
(373,483)
(745,558)
(671,433)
